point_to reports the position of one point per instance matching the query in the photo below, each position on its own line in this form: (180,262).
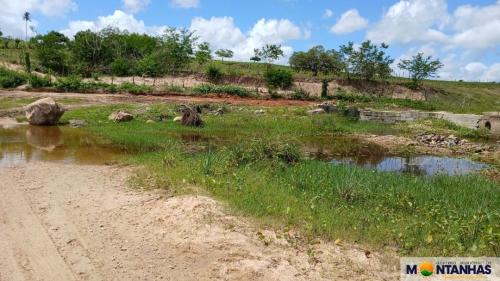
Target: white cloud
(476,27)
(186,4)
(118,19)
(411,21)
(135,6)
(11,21)
(221,32)
(327,14)
(348,22)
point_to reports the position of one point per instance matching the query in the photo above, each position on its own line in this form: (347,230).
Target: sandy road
(65,222)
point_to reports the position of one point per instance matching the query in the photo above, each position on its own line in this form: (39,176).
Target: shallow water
(21,144)
(418,165)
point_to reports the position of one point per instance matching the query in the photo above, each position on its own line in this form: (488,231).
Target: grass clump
(205,89)
(36,81)
(11,78)
(301,94)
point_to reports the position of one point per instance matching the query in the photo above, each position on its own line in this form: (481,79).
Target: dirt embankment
(64,222)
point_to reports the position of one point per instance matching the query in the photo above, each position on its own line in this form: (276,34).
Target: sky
(463,34)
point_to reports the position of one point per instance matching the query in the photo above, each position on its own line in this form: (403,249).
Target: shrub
(135,89)
(36,81)
(222,89)
(301,94)
(70,83)
(11,79)
(214,74)
(278,78)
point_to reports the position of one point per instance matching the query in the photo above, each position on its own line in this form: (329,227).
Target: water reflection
(417,165)
(23,144)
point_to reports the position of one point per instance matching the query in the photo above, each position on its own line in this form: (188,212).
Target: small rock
(120,116)
(260,112)
(75,123)
(316,111)
(178,119)
(150,121)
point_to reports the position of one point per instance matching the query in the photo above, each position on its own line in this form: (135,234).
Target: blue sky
(465,35)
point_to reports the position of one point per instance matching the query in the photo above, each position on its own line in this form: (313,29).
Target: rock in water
(44,112)
(120,116)
(191,118)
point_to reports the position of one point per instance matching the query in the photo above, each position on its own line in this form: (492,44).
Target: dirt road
(64,222)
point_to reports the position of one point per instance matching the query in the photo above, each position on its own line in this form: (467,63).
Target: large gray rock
(44,112)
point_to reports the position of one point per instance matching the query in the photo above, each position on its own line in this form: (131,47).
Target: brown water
(24,143)
(21,144)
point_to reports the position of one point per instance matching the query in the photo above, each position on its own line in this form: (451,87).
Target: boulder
(44,112)
(120,116)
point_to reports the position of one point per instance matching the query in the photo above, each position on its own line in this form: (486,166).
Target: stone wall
(464,120)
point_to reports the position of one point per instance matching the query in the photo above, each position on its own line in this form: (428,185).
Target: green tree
(316,60)
(420,68)
(203,54)
(26,18)
(270,53)
(51,51)
(150,66)
(366,62)
(224,53)
(256,56)
(176,49)
(88,52)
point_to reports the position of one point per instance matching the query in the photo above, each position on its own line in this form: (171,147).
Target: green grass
(255,164)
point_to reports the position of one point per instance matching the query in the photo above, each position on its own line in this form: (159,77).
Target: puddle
(23,144)
(417,165)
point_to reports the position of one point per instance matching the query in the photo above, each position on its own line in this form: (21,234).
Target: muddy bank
(65,222)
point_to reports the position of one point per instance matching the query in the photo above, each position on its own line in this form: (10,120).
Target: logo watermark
(450,269)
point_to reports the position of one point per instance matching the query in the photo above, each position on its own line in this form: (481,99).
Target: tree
(51,51)
(420,67)
(270,53)
(316,60)
(176,49)
(224,53)
(256,58)
(26,18)
(1,34)
(89,52)
(203,54)
(368,61)
(151,66)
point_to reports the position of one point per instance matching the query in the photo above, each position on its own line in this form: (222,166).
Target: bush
(11,79)
(36,81)
(301,94)
(222,89)
(70,83)
(135,89)
(214,74)
(278,78)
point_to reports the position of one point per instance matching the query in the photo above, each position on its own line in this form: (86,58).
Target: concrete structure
(465,120)
(491,122)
